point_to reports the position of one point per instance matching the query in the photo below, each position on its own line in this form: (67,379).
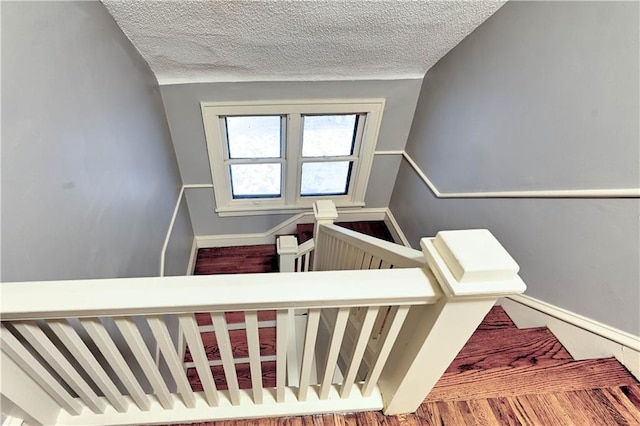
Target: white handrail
(306,247)
(133,296)
(535,193)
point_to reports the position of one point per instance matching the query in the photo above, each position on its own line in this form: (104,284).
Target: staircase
(503,375)
(263,258)
(371,325)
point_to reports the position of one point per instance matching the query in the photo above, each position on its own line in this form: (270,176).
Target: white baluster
(41,343)
(108,348)
(226,354)
(21,356)
(189,327)
(282,339)
(85,358)
(168,350)
(334,351)
(136,343)
(313,320)
(253,343)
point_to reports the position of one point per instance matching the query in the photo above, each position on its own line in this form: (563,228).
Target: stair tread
(557,376)
(239,347)
(596,406)
(509,347)
(497,318)
(237,260)
(243,373)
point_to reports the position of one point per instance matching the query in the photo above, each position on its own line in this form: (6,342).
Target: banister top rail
(400,256)
(137,296)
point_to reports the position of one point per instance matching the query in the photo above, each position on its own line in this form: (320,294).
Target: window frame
(292,112)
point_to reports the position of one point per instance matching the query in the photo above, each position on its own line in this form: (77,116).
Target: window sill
(229,211)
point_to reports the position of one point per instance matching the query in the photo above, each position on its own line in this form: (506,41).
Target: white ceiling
(190,41)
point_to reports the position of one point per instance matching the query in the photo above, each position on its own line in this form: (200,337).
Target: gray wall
(543,95)
(182,105)
(89,176)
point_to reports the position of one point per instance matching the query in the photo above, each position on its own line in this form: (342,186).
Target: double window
(281,156)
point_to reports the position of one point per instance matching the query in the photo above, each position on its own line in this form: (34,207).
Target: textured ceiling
(207,41)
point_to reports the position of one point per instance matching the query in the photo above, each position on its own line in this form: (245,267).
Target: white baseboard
(193,255)
(285,228)
(583,338)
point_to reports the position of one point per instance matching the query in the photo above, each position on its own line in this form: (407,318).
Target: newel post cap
(287,244)
(472,263)
(325,210)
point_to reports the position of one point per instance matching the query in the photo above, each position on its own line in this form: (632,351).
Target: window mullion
(329,159)
(253,161)
(293,146)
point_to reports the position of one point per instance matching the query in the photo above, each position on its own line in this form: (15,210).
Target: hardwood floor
(502,376)
(237,260)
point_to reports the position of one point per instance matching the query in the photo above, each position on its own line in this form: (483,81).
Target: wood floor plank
(481,412)
(632,392)
(450,413)
(243,372)
(502,411)
(237,260)
(546,408)
(239,344)
(625,406)
(509,347)
(496,319)
(530,379)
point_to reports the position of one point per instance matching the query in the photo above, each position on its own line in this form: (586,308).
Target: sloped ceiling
(209,41)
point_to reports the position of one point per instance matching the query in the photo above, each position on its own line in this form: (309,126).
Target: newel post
(473,270)
(287,247)
(325,213)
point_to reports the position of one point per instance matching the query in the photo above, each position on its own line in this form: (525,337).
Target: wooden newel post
(325,213)
(287,247)
(473,270)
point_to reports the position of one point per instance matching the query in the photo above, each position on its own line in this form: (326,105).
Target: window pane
(326,178)
(253,137)
(328,135)
(255,180)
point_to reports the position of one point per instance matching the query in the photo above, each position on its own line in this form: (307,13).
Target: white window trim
(291,201)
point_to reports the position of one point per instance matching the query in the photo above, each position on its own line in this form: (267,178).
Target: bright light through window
(255,180)
(253,137)
(328,135)
(325,178)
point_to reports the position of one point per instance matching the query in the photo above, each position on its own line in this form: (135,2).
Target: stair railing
(84,352)
(334,248)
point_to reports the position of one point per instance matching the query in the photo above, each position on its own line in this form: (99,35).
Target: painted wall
(182,105)
(89,176)
(543,95)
